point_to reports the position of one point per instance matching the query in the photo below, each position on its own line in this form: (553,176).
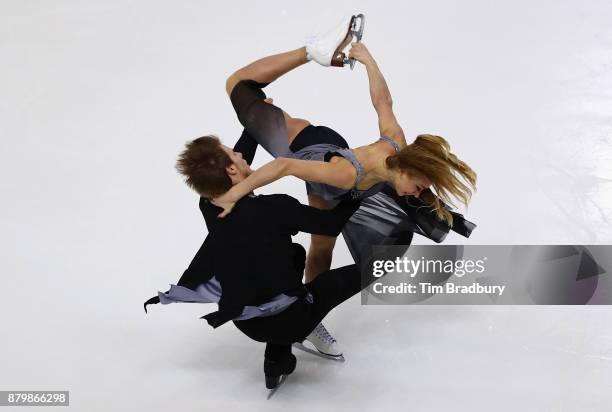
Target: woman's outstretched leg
(268,69)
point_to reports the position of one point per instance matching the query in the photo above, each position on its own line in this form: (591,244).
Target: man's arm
(200,268)
(294,216)
(380,94)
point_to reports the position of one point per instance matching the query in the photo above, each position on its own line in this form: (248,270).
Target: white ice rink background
(97,100)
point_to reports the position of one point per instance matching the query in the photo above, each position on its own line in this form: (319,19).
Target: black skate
(276,372)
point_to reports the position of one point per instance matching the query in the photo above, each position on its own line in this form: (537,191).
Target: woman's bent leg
(273,128)
(321,248)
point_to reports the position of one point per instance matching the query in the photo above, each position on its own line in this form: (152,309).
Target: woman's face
(407,185)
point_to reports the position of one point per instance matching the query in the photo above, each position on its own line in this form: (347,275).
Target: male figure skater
(248,263)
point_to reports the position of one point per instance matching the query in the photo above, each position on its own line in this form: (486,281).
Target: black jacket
(251,254)
(250,251)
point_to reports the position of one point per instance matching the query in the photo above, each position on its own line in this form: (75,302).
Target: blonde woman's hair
(430,156)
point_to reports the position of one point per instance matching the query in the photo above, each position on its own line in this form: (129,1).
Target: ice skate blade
(357,32)
(319,354)
(273,391)
(357,28)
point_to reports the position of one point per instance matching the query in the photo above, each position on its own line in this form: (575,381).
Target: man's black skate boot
(275,369)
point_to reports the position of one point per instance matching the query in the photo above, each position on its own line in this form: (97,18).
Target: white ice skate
(327,49)
(324,344)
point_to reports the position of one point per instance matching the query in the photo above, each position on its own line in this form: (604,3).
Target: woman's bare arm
(380,94)
(335,174)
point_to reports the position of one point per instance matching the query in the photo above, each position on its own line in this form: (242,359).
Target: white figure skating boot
(324,344)
(327,49)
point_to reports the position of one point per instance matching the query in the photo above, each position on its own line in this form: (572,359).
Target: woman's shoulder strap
(392,142)
(350,156)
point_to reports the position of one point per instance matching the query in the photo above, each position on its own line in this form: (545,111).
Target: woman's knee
(231,82)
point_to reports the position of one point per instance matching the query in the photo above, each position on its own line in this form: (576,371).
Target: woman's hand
(360,53)
(226,202)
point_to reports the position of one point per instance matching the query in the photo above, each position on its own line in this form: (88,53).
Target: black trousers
(328,290)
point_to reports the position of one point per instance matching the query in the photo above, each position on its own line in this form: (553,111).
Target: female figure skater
(390,175)
(322,158)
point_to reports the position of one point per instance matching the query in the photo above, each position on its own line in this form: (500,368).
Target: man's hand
(360,53)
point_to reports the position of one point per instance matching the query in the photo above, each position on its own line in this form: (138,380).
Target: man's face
(239,169)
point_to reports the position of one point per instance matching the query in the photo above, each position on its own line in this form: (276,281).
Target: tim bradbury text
(428,288)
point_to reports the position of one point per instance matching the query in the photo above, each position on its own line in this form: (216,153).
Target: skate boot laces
(324,343)
(324,335)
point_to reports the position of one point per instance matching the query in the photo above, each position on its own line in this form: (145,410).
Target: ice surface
(97,99)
